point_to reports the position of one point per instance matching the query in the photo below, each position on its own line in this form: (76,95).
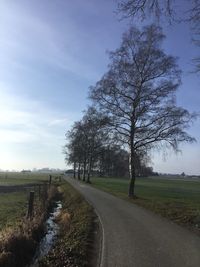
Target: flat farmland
(176,199)
(17,178)
(14,191)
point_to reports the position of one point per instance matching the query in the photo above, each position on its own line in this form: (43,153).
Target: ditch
(52,231)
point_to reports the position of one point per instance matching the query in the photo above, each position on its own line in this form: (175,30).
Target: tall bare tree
(172,10)
(138,93)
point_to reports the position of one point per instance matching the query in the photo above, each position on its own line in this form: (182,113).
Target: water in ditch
(48,240)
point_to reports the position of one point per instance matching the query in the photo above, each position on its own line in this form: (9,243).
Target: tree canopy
(138,94)
(133,111)
(174,11)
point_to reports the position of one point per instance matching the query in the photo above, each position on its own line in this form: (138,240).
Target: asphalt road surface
(135,237)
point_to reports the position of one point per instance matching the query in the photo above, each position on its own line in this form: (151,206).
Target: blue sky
(50,53)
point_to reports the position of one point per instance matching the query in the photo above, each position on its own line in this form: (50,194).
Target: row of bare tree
(133,107)
(92,149)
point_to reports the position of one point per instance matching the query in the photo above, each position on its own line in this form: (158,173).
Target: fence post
(39,191)
(44,194)
(30,204)
(50,179)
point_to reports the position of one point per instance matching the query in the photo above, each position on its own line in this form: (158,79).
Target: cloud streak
(28,40)
(27,126)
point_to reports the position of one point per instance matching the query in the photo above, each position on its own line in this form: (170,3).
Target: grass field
(19,235)
(175,199)
(76,223)
(16,178)
(13,205)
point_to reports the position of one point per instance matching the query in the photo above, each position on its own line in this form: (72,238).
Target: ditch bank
(79,237)
(18,244)
(49,239)
(63,233)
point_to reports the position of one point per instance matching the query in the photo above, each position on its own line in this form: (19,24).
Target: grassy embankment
(74,245)
(177,200)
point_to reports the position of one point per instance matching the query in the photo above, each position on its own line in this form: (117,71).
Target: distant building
(69,171)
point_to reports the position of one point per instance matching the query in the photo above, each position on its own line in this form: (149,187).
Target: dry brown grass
(18,245)
(73,247)
(64,219)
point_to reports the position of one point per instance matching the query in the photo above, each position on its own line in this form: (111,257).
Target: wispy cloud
(58,122)
(31,135)
(27,39)
(23,120)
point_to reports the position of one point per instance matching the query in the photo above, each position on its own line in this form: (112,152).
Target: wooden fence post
(50,179)
(44,194)
(30,204)
(39,191)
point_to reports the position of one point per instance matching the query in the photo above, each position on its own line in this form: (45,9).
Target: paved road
(135,237)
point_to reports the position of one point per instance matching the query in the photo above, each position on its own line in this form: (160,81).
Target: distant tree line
(133,111)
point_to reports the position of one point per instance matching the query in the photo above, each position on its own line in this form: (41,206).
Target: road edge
(101,240)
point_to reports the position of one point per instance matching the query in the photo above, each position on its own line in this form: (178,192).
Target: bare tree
(169,9)
(172,10)
(85,140)
(74,148)
(94,123)
(112,161)
(194,19)
(144,8)
(138,93)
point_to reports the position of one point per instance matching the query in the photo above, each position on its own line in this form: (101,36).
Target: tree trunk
(131,192)
(74,170)
(84,170)
(89,170)
(88,178)
(79,171)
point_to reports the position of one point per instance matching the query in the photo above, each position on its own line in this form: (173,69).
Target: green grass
(12,208)
(16,178)
(176,199)
(20,236)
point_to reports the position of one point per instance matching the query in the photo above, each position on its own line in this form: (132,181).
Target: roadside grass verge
(175,199)
(75,241)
